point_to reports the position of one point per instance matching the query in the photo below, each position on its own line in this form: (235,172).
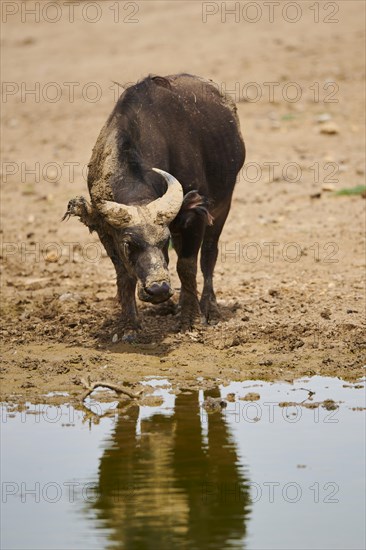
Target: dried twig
(118,389)
(310,394)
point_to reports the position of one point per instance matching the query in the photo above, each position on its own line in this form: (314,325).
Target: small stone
(51,257)
(69,297)
(296,344)
(329,128)
(251,396)
(330,405)
(35,284)
(27,384)
(275,125)
(325,314)
(230,397)
(114,338)
(28,189)
(328,187)
(324,117)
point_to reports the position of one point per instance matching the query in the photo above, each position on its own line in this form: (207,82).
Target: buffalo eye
(126,246)
(129,247)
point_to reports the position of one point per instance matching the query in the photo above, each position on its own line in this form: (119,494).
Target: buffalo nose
(157,289)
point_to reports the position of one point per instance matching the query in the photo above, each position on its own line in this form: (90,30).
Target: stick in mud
(118,389)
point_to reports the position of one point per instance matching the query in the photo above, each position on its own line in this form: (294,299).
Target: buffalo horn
(164,209)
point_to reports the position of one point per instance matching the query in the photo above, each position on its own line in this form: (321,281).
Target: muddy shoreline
(202,359)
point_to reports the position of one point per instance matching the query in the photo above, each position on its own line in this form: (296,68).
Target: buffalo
(164,167)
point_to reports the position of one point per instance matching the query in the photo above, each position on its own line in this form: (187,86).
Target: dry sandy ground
(290,274)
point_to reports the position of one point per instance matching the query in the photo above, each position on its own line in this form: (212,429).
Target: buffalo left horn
(164,209)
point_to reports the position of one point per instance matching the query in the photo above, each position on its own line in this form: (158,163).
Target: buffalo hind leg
(209,253)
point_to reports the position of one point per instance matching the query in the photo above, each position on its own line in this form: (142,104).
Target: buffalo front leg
(126,285)
(127,298)
(190,309)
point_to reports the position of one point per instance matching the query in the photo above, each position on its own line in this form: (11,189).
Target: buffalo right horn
(164,209)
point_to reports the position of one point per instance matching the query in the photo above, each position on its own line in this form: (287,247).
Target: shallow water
(253,475)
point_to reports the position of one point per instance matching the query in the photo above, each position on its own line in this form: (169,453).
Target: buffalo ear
(194,205)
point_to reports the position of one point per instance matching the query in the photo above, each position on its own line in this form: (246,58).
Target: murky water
(253,475)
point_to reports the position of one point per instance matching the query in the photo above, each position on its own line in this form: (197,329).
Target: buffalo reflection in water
(171,486)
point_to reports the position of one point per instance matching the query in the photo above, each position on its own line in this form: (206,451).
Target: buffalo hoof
(210,310)
(131,325)
(190,315)
(130,337)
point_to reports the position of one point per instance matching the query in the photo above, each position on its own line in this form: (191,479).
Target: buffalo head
(140,236)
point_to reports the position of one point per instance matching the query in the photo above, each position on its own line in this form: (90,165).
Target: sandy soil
(290,274)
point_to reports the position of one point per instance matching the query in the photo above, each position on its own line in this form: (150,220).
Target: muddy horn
(119,215)
(164,209)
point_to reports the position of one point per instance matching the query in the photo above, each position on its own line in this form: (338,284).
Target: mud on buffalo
(164,167)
